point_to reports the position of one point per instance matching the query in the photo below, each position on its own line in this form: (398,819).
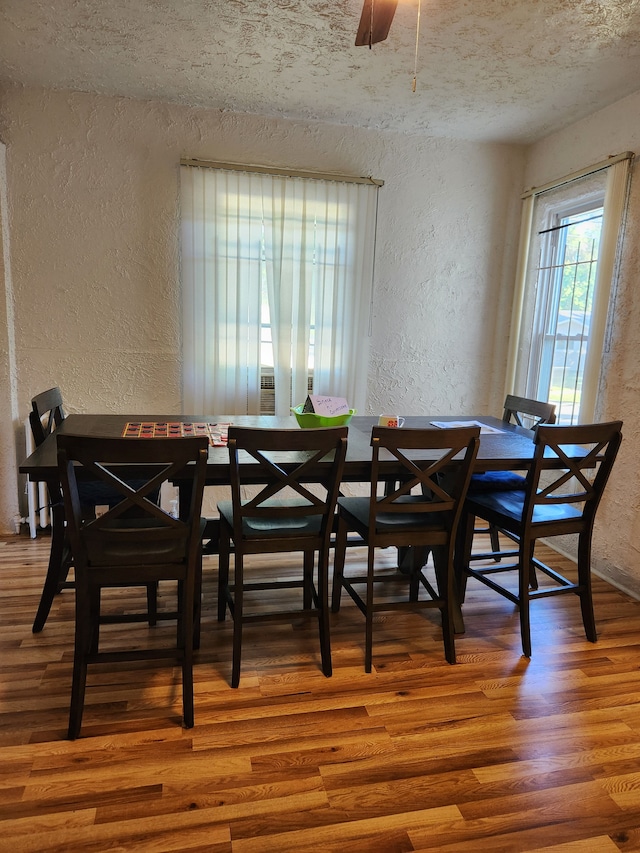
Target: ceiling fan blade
(375,21)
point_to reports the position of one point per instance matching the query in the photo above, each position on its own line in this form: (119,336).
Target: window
(569,245)
(566,283)
(277,275)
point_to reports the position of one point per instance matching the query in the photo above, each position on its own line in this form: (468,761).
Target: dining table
(503,447)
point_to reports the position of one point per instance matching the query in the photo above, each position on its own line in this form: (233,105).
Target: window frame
(616,174)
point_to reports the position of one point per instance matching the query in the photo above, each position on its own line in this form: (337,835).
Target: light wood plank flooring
(494,754)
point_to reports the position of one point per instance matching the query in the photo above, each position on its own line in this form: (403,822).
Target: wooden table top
(510,449)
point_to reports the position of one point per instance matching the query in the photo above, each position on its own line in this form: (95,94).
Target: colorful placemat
(216,433)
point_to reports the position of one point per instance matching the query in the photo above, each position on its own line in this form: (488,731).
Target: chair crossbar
(106,619)
(133,655)
(281,615)
(422,477)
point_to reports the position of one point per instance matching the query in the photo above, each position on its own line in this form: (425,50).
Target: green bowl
(309,420)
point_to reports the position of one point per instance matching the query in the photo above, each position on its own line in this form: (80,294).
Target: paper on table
(485,429)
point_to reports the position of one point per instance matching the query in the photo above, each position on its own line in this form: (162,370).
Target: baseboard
(616,577)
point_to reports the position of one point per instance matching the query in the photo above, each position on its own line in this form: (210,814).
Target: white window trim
(616,194)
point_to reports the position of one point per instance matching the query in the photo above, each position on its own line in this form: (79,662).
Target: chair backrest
(46,414)
(136,523)
(535,411)
(587,453)
(287,461)
(427,457)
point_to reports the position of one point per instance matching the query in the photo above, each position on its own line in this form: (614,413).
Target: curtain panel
(288,253)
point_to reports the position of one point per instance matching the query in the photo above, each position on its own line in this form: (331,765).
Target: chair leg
(238,596)
(584,579)
(368,641)
(187,651)
(197,603)
(443,565)
(464,544)
(525,558)
(152,604)
(94,618)
(82,646)
(323,615)
(308,565)
(495,542)
(417,557)
(223,570)
(339,554)
(57,570)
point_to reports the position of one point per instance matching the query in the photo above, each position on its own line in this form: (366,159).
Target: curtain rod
(288,173)
(582,173)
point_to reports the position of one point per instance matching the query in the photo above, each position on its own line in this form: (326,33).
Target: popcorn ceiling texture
(508,70)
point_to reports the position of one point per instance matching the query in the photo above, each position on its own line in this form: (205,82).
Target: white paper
(485,429)
(329,406)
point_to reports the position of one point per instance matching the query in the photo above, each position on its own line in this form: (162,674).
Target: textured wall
(93,185)
(609,132)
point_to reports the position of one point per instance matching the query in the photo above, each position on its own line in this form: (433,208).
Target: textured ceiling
(509,70)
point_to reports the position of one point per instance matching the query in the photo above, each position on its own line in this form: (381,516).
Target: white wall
(609,132)
(93,189)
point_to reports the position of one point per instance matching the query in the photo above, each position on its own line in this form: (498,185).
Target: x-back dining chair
(46,415)
(135,543)
(524,412)
(284,516)
(560,496)
(393,516)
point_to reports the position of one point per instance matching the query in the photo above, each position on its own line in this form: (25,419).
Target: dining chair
(47,413)
(560,496)
(420,511)
(134,543)
(285,515)
(524,412)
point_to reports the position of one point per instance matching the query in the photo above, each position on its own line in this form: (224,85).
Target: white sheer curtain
(310,242)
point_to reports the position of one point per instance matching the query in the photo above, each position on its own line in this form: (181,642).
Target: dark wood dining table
(510,449)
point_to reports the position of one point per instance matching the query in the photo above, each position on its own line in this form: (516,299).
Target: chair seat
(358,509)
(491,481)
(511,505)
(269,526)
(126,541)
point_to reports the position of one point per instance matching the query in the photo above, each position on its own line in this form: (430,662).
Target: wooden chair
(523,412)
(427,520)
(552,503)
(47,413)
(284,516)
(135,543)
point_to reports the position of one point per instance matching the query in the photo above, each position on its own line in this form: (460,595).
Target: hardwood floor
(494,754)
